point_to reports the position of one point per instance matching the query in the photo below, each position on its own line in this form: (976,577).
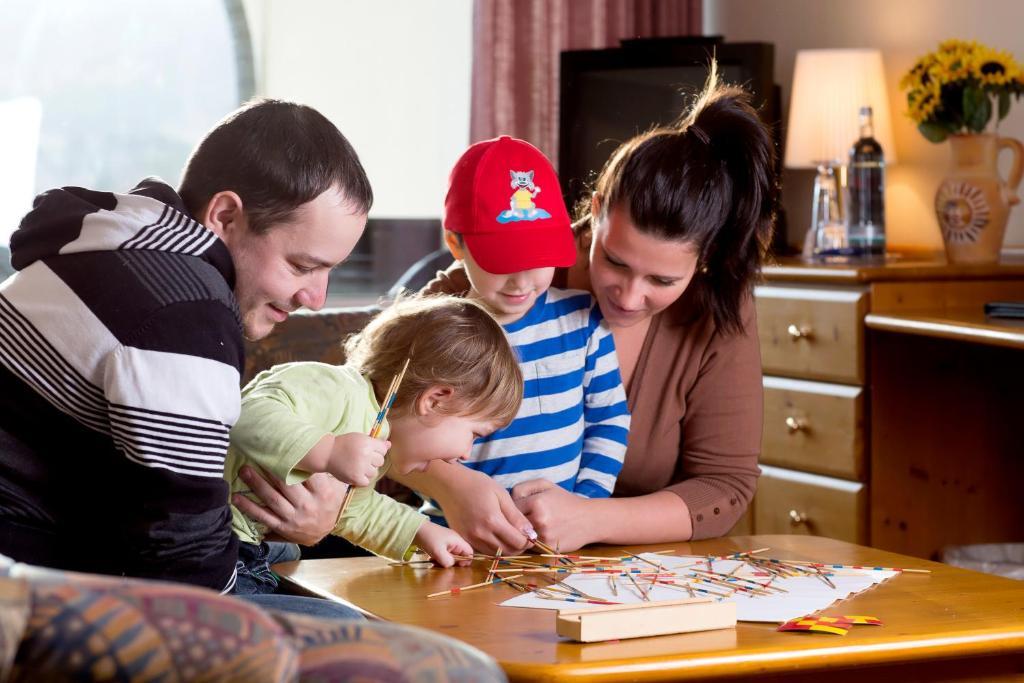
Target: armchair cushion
(309,336)
(68,626)
(92,627)
(15,606)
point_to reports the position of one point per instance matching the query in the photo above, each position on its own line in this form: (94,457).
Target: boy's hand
(441,543)
(475,505)
(355,458)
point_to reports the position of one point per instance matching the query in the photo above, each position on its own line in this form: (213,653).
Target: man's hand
(303,513)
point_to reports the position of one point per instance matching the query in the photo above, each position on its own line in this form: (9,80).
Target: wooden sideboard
(867,436)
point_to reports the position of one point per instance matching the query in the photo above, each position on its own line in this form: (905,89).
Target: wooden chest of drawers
(816,355)
(813,355)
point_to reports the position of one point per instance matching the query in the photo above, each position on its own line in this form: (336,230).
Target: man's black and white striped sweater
(120,357)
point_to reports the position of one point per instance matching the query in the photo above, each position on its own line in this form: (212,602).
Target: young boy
(505,221)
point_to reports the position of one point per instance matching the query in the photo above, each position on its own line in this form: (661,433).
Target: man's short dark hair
(276,156)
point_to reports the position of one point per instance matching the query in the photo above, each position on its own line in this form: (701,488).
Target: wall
(903,30)
(393,76)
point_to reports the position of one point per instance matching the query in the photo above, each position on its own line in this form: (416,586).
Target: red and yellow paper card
(838,626)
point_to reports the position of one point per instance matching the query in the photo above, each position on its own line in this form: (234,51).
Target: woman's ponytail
(710,180)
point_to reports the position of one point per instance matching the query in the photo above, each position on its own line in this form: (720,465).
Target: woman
(669,244)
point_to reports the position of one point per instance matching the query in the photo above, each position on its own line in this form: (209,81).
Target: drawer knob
(796,518)
(795,424)
(799,331)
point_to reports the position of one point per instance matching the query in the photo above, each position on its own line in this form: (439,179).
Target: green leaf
(984,114)
(969,101)
(933,132)
(952,104)
(1004,104)
(977,109)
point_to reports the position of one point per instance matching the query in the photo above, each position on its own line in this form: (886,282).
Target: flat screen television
(610,95)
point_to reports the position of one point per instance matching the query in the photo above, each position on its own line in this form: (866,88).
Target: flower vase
(973,203)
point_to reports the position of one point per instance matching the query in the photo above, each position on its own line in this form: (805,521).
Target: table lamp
(829,88)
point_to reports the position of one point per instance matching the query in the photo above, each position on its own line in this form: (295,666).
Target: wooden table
(951,624)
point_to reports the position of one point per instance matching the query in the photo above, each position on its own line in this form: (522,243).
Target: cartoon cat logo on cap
(521,204)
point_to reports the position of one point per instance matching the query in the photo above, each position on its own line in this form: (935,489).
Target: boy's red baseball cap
(505,201)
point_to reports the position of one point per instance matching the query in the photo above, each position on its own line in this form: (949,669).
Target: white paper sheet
(805,594)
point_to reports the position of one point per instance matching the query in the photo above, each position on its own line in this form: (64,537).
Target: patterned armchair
(307,336)
(64,626)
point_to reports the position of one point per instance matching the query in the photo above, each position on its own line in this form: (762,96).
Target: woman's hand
(562,519)
(481,511)
(441,544)
(302,513)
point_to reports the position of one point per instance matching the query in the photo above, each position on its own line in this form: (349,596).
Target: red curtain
(516,46)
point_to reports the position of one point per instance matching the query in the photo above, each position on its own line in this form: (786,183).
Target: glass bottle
(866,182)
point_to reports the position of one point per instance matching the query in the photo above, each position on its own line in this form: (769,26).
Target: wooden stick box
(644,619)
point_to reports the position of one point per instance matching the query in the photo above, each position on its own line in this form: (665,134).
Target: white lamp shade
(829,88)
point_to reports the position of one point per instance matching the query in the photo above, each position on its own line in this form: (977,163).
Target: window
(117,90)
(112,91)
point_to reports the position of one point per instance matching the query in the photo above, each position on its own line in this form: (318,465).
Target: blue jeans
(257,584)
(253,566)
(299,604)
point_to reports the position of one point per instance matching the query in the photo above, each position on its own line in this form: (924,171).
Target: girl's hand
(562,519)
(356,457)
(441,543)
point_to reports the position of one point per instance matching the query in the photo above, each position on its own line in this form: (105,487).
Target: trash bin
(1002,559)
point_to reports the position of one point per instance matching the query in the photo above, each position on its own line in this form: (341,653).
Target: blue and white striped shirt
(572,426)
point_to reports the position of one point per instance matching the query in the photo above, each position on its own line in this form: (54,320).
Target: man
(121,342)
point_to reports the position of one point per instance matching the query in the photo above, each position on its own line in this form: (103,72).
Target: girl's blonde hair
(449,341)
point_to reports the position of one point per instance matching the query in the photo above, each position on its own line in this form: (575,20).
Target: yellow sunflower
(913,77)
(952,66)
(954,46)
(922,103)
(960,87)
(994,67)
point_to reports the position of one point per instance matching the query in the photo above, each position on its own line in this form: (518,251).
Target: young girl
(463,382)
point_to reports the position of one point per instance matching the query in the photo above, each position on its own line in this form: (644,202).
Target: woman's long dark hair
(708,179)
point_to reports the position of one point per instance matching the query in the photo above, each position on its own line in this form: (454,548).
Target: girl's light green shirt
(287,410)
